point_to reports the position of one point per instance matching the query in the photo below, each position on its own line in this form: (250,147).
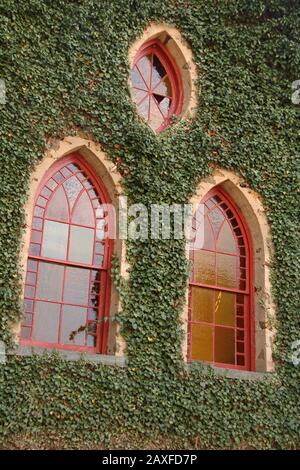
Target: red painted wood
(101,196)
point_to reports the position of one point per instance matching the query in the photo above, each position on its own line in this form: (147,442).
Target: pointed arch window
(156,85)
(221,287)
(67,280)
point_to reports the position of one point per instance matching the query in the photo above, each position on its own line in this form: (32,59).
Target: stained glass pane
(226,270)
(46,322)
(55,240)
(204,267)
(202,304)
(225,308)
(73,325)
(202,342)
(224,345)
(58,206)
(50,281)
(81,245)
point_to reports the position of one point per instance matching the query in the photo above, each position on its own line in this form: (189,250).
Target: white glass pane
(73,325)
(50,281)
(76,289)
(81,245)
(46,322)
(55,240)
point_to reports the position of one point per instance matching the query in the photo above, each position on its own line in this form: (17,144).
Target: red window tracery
(67,279)
(156,85)
(220,288)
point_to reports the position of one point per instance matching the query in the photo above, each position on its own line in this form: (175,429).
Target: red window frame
(247,292)
(155,46)
(104,270)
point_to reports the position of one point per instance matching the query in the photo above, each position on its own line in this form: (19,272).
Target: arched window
(67,280)
(221,287)
(156,85)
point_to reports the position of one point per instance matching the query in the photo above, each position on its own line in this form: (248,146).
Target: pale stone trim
(183,56)
(111,179)
(250,204)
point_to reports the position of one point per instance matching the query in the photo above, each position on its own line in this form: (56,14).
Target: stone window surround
(251,207)
(183,57)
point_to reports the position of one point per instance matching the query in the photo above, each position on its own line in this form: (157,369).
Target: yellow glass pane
(202,304)
(226,270)
(224,345)
(225,308)
(204,267)
(202,342)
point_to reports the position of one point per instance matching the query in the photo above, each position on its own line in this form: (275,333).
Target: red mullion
(61,306)
(189,330)
(52,219)
(59,302)
(34,299)
(151,70)
(63,262)
(87,311)
(101,342)
(138,69)
(221,288)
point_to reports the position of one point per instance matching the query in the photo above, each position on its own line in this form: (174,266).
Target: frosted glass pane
(76,290)
(55,240)
(83,213)
(81,245)
(46,322)
(50,281)
(72,187)
(73,325)
(58,206)
(226,241)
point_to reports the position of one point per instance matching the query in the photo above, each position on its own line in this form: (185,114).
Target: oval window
(156,85)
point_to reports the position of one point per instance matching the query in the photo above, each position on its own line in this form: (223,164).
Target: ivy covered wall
(65,66)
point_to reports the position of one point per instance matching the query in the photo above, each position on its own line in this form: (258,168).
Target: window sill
(73,355)
(230,373)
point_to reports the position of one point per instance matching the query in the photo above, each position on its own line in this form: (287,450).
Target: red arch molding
(160,50)
(248,292)
(105,278)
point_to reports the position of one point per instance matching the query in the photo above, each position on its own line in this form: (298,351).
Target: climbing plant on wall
(65,67)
